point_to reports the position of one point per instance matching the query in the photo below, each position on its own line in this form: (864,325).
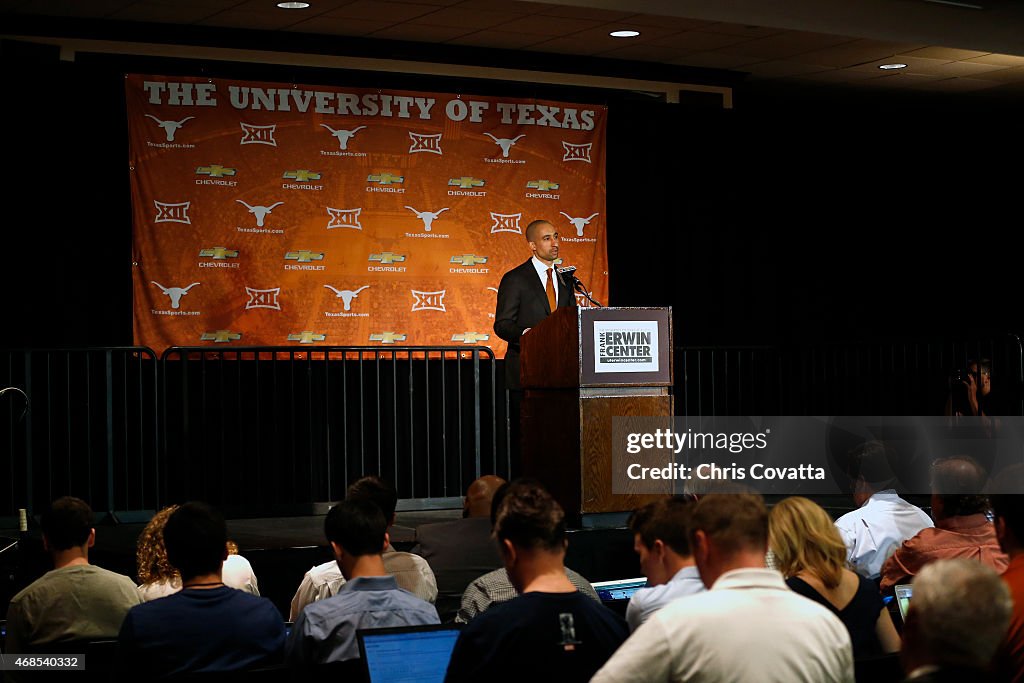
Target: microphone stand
(577,284)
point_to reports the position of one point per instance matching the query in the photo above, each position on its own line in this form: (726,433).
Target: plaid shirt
(495,587)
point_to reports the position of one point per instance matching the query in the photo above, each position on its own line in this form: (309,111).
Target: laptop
(620,589)
(407,654)
(904,591)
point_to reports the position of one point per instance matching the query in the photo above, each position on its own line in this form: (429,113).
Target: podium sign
(580,368)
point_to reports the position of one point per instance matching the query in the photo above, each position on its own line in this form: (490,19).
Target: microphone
(567,270)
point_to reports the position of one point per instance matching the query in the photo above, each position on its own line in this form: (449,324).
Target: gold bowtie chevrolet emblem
(470,337)
(387,257)
(304,256)
(219,253)
(215,171)
(542,185)
(384,178)
(221,336)
(307,337)
(465,182)
(468,259)
(387,337)
(301,175)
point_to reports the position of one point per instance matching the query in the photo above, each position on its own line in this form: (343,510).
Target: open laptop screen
(904,591)
(407,654)
(620,589)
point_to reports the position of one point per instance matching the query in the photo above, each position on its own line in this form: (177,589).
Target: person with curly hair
(159,579)
(812,556)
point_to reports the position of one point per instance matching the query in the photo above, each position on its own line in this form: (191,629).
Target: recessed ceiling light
(293,5)
(892,66)
(624,34)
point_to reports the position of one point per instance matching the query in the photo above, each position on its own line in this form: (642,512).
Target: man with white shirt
(660,539)
(882,520)
(748,625)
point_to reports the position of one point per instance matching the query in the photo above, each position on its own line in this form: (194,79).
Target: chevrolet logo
(301,175)
(307,337)
(470,337)
(465,182)
(215,171)
(542,185)
(219,253)
(387,337)
(385,178)
(468,259)
(220,336)
(304,256)
(387,257)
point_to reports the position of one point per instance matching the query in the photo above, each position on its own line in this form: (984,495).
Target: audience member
(496,586)
(962,528)
(882,520)
(206,626)
(747,627)
(461,550)
(325,631)
(411,571)
(957,618)
(811,556)
(551,629)
(660,539)
(76,601)
(1008,506)
(159,579)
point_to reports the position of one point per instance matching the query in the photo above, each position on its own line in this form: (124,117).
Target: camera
(958,375)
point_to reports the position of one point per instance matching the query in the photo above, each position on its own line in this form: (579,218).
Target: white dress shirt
(876,529)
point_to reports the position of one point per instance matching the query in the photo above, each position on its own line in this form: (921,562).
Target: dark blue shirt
(564,637)
(215,629)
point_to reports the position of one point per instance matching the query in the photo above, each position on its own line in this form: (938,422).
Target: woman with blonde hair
(159,579)
(812,556)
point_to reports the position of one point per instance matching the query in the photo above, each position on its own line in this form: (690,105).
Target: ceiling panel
(857,52)
(549,26)
(472,19)
(498,39)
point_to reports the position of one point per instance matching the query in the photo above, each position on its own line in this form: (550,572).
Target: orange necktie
(552,301)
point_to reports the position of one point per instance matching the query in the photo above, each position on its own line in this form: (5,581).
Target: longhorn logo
(170,127)
(428,217)
(346,295)
(175,293)
(260,212)
(505,143)
(343,135)
(578,223)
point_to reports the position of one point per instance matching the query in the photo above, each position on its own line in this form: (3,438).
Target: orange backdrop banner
(273,214)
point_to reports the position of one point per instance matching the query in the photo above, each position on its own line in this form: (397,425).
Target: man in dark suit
(461,550)
(529,293)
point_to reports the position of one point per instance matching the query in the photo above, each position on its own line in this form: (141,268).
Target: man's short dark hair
(532,228)
(734,522)
(530,518)
(667,520)
(377,490)
(67,524)
(870,461)
(358,526)
(196,538)
(959,481)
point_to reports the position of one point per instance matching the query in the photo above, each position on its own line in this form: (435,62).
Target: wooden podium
(580,368)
